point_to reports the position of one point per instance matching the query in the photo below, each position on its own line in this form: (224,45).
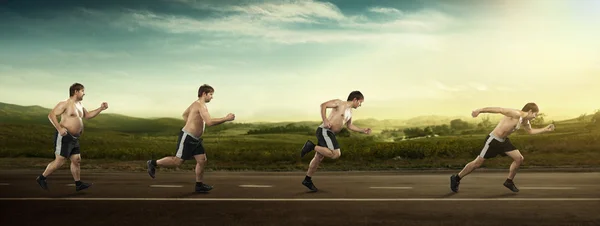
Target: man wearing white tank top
(327,145)
(189,143)
(498,143)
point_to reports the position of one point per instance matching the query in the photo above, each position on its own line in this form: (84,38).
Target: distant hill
(16,114)
(10,113)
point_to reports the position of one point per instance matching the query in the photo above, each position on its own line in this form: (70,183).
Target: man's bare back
(498,143)
(512,121)
(194,123)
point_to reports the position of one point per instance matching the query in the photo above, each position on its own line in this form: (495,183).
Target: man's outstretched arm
(497,110)
(355,128)
(214,121)
(530,130)
(95,112)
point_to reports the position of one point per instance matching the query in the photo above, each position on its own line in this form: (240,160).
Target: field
(27,143)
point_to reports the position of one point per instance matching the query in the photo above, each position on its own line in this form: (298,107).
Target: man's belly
(74,125)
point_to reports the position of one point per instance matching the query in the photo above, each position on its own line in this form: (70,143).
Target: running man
(327,145)
(189,142)
(497,142)
(68,131)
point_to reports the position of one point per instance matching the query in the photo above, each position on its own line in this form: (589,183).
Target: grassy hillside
(113,139)
(15,114)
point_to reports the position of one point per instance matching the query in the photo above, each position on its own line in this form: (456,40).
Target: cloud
(292,11)
(384,10)
(90,54)
(448,88)
(280,11)
(284,22)
(195,67)
(478,86)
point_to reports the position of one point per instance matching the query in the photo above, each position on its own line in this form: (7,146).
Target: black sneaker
(308,147)
(82,186)
(309,184)
(511,186)
(203,188)
(151,169)
(42,183)
(454,182)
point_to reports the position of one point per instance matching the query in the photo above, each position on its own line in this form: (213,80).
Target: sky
(278,60)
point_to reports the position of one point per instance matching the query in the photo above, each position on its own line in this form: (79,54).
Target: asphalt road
(344,198)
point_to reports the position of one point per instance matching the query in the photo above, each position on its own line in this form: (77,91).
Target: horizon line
(292,121)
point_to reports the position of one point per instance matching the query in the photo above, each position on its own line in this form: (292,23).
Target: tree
(441,130)
(594,122)
(458,124)
(596,118)
(539,120)
(581,118)
(485,123)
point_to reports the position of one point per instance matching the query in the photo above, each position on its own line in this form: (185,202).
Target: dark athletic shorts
(188,146)
(66,145)
(494,146)
(326,138)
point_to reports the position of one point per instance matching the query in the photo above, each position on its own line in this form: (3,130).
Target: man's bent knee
(336,154)
(59,160)
(58,157)
(178,161)
(75,159)
(519,159)
(201,158)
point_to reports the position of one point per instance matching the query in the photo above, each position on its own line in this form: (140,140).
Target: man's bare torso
(195,123)
(508,125)
(71,118)
(339,116)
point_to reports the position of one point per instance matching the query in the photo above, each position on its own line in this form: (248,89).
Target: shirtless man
(189,142)
(497,142)
(68,131)
(327,145)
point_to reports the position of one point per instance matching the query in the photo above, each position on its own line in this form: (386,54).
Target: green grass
(115,141)
(237,151)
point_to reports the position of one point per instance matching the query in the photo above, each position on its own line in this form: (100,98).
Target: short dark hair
(74,88)
(205,89)
(531,106)
(355,94)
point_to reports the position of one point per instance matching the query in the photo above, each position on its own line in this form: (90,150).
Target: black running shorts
(495,146)
(326,138)
(188,146)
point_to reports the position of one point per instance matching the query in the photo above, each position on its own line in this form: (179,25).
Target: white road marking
(4,184)
(548,188)
(307,200)
(255,186)
(391,187)
(165,186)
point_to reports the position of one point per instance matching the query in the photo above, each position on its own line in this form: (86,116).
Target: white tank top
(518,124)
(347,115)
